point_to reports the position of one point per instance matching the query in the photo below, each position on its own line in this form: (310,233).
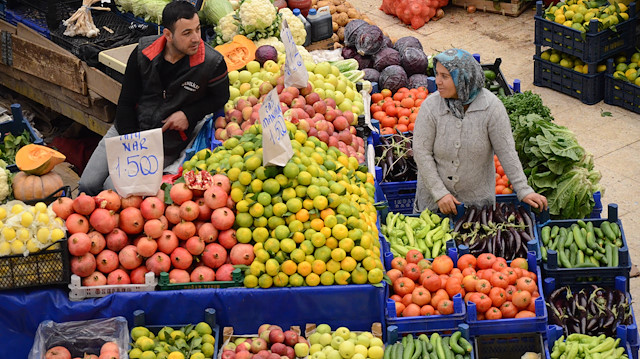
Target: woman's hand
(536,200)
(447,204)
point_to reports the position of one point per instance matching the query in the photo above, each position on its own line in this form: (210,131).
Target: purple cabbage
(386,57)
(352,31)
(349,52)
(418,80)
(371,75)
(393,78)
(370,40)
(363,61)
(266,52)
(387,42)
(414,61)
(407,41)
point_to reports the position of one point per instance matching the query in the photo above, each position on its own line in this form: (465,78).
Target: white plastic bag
(81,337)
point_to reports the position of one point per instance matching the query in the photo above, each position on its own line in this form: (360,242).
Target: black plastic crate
(509,346)
(585,87)
(620,93)
(47,267)
(495,67)
(592,46)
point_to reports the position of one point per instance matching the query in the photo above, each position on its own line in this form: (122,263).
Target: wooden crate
(511,8)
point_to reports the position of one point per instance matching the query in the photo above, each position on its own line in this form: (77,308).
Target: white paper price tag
(136,162)
(276,144)
(295,73)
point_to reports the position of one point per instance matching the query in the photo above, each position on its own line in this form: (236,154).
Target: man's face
(186,35)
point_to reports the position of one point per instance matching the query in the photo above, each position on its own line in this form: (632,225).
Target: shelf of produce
(554,332)
(604,276)
(395,337)
(427,323)
(510,8)
(620,93)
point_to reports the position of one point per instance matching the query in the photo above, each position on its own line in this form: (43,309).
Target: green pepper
(435,251)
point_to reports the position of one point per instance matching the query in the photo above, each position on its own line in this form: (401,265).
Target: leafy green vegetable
(213,11)
(556,165)
(524,103)
(11,144)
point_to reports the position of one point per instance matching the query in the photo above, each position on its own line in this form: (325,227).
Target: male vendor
(172,81)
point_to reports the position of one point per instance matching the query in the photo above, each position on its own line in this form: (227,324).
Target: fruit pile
(109,350)
(627,70)
(344,344)
(577,14)
(569,61)
(397,111)
(311,222)
(26,229)
(503,186)
(117,240)
(191,341)
(327,108)
(270,343)
(498,290)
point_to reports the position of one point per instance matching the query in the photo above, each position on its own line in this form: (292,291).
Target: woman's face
(444,81)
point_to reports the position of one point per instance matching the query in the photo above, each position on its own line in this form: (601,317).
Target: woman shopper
(457,132)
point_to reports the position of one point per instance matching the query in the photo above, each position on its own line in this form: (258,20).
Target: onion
(471,9)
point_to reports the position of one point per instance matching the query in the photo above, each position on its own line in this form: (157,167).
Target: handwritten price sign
(136,162)
(276,143)
(295,73)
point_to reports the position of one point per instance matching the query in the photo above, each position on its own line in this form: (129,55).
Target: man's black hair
(176,10)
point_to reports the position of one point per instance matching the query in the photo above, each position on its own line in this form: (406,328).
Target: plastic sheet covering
(353,306)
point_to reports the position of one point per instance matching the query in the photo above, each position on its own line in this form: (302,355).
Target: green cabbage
(213,11)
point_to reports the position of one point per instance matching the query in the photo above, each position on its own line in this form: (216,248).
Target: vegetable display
(148,10)
(427,234)
(504,230)
(627,69)
(591,311)
(342,14)
(213,11)
(415,13)
(524,103)
(10,145)
(396,158)
(503,186)
(569,61)
(578,17)
(586,346)
(397,111)
(491,84)
(583,245)
(434,346)
(556,166)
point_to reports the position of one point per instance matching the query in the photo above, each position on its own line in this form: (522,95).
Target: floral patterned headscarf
(467,76)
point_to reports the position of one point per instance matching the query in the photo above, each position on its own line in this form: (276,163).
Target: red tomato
(394,274)
(391,111)
(487,274)
(399,308)
(498,296)
(483,286)
(420,296)
(499,265)
(432,282)
(508,310)
(411,271)
(531,275)
(411,126)
(385,93)
(486,260)
(388,121)
(445,307)
(467,271)
(376,97)
(499,280)
(521,299)
(440,295)
(426,310)
(466,261)
(525,314)
(402,128)
(453,286)
(424,264)
(527,284)
(398,263)
(532,304)
(403,286)
(406,299)
(376,108)
(483,302)
(442,264)
(412,310)
(520,263)
(493,313)
(396,298)
(510,290)
(414,256)
(511,275)
(469,283)
(407,102)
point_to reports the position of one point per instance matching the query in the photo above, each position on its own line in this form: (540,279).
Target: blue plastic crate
(588,88)
(592,46)
(625,332)
(427,323)
(137,20)
(400,195)
(604,276)
(509,346)
(37,23)
(536,324)
(393,336)
(620,93)
(554,332)
(532,245)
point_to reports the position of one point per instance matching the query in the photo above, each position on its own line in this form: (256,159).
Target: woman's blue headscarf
(467,76)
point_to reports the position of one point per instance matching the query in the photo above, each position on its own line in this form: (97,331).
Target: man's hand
(536,201)
(447,204)
(176,121)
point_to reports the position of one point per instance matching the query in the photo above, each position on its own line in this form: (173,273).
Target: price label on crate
(136,161)
(295,73)
(276,144)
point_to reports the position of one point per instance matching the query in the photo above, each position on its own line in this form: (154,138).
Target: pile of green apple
(344,344)
(189,342)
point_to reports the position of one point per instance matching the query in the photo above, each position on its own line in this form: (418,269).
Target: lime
(291,170)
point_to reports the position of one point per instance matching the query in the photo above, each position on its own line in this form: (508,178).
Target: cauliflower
(5,182)
(226,29)
(273,41)
(295,25)
(306,56)
(256,15)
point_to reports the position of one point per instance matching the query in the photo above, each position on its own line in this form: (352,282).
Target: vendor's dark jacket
(197,85)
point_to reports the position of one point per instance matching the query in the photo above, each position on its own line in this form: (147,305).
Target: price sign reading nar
(136,162)
(295,73)
(276,144)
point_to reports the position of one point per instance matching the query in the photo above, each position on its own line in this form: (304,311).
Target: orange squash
(37,159)
(238,52)
(28,187)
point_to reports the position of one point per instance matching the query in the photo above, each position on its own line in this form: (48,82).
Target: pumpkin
(37,159)
(238,52)
(28,187)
